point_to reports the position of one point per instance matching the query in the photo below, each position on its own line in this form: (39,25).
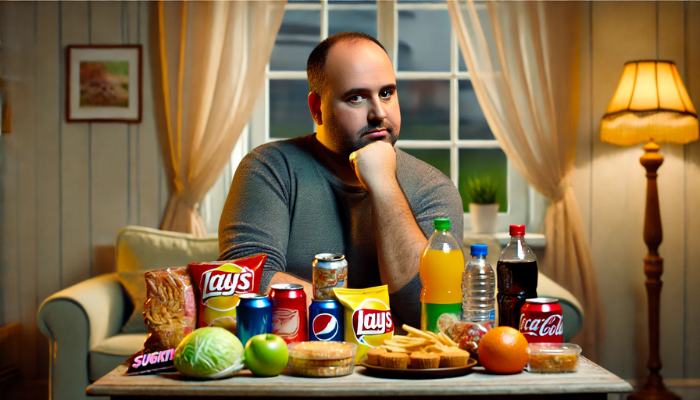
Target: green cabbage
(210,352)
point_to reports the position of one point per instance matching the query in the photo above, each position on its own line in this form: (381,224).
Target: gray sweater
(285,203)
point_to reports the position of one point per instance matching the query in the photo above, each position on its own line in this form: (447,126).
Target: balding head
(316,64)
(353,94)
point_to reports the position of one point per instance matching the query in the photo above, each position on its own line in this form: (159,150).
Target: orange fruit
(503,350)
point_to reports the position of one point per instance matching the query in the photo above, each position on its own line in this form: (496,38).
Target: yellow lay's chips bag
(368,319)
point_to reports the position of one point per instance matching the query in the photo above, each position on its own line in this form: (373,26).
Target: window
(442,123)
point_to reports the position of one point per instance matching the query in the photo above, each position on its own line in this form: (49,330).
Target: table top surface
(590,378)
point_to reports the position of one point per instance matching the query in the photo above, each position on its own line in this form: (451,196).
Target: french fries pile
(418,340)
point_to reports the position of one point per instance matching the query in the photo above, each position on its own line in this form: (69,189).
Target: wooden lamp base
(653,268)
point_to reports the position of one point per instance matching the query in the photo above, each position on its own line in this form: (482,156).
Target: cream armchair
(85,323)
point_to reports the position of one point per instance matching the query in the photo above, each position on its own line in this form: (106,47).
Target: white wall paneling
(109,153)
(610,186)
(25,124)
(47,93)
(67,188)
(671,45)
(74,163)
(618,188)
(691,318)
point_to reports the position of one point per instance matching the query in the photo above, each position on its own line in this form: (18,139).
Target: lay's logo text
(371,321)
(218,282)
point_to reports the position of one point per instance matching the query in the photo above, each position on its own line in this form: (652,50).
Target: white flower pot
(483,217)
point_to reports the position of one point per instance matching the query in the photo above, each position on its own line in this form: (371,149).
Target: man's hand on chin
(375,165)
(399,238)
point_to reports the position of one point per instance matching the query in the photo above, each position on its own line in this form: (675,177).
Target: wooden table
(589,382)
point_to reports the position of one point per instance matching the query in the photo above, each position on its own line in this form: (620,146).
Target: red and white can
(289,312)
(541,321)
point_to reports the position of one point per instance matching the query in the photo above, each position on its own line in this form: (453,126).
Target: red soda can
(541,321)
(289,312)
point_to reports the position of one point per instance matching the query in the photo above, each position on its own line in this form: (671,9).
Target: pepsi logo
(325,326)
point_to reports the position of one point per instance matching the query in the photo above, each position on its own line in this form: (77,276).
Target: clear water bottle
(478,288)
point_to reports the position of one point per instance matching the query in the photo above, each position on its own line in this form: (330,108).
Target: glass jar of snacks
(553,357)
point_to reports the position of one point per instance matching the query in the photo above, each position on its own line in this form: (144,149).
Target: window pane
(425,109)
(345,2)
(299,34)
(462,64)
(472,123)
(289,112)
(484,163)
(352,20)
(485,22)
(438,158)
(424,40)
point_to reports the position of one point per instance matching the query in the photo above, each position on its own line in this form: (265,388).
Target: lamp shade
(650,103)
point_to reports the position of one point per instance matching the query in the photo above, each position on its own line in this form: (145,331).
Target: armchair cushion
(140,249)
(135,287)
(112,352)
(79,318)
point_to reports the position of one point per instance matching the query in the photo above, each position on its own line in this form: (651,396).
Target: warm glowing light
(650,103)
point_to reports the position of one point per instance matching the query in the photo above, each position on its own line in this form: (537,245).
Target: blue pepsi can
(254,314)
(326,321)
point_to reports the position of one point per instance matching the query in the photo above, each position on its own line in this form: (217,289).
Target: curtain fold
(523,60)
(209,63)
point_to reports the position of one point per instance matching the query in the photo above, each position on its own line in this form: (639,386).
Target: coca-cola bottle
(516,276)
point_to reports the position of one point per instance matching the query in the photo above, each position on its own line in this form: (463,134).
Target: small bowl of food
(553,357)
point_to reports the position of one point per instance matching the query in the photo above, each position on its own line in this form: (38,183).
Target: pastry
(322,350)
(423,360)
(320,372)
(373,355)
(454,359)
(321,359)
(394,360)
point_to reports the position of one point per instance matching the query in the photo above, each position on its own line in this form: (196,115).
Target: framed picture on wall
(103,83)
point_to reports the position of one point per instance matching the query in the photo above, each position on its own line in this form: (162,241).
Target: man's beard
(345,142)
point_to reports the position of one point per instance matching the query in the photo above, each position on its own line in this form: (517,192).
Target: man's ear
(315,108)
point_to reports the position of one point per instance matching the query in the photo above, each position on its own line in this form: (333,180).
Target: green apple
(266,354)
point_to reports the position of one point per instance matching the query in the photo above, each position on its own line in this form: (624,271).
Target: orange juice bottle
(441,267)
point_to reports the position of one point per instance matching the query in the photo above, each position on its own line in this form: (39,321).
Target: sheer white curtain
(523,58)
(209,64)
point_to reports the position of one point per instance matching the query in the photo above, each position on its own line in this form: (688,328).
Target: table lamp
(651,105)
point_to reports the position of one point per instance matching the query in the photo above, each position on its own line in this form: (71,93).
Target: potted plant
(482,206)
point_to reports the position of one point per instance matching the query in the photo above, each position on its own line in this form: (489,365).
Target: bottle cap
(442,224)
(517,230)
(479,250)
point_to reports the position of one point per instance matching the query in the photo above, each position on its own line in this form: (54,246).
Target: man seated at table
(344,189)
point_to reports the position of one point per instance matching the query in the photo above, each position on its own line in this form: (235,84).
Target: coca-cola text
(541,321)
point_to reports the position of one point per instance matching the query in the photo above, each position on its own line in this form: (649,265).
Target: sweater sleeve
(255,218)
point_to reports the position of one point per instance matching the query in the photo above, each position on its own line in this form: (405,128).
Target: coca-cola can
(541,321)
(289,312)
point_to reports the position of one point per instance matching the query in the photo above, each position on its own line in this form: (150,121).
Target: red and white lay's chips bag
(368,320)
(220,283)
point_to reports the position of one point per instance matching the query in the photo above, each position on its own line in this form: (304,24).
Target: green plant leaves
(481,191)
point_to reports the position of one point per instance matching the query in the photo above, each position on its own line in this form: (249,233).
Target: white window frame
(525,206)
